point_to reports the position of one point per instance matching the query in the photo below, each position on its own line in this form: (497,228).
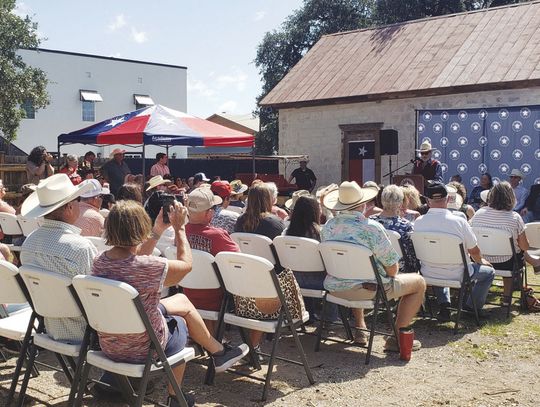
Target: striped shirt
(146,274)
(57,246)
(90,221)
(510,221)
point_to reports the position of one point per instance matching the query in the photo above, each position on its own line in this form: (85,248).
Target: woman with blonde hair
(129,231)
(411,202)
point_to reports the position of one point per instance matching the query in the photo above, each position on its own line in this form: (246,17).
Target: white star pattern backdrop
(470,142)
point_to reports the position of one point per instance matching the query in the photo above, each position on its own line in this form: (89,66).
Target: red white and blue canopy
(158,125)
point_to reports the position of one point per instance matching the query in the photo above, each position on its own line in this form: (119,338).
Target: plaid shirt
(57,246)
(90,221)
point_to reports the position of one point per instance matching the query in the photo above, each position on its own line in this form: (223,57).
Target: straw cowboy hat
(238,187)
(51,193)
(116,151)
(517,173)
(157,180)
(289,204)
(347,196)
(425,147)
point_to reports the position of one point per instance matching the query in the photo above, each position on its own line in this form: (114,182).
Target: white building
(86,89)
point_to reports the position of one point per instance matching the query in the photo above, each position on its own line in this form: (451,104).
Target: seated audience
(351,226)
(371,206)
(130,192)
(202,236)
(531,211)
(392,202)
(461,197)
(173,318)
(499,215)
(4,206)
(223,218)
(439,219)
(411,203)
(485,184)
(521,193)
(90,221)
(237,193)
(258,217)
(70,169)
(276,210)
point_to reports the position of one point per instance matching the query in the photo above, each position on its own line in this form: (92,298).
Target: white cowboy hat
(116,151)
(425,147)
(51,193)
(517,173)
(484,195)
(452,202)
(289,204)
(157,180)
(347,196)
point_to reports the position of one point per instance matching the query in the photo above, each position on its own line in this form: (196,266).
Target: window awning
(90,96)
(143,100)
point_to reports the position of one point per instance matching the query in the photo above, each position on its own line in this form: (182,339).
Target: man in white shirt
(521,193)
(91,221)
(440,219)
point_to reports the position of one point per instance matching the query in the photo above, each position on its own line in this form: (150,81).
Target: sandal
(360,338)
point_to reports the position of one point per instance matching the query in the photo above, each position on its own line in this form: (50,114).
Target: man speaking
(430,168)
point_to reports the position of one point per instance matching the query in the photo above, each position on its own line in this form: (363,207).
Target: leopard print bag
(246,307)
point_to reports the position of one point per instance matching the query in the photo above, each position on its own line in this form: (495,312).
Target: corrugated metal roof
(481,48)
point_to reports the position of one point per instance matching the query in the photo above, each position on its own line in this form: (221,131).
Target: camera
(167,200)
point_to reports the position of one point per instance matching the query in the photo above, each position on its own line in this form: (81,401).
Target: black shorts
(178,332)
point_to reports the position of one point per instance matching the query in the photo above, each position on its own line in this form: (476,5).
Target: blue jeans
(482,276)
(315,281)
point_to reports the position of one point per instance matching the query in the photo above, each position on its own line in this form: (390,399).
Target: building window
(29,110)
(88,111)
(142,101)
(89,99)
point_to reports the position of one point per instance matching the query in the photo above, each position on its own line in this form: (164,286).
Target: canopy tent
(157,125)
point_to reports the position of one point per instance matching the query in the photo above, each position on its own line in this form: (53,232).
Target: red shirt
(74,177)
(211,240)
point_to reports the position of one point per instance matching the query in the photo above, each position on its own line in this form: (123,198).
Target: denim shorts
(178,332)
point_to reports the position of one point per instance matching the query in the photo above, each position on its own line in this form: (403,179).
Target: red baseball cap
(221,189)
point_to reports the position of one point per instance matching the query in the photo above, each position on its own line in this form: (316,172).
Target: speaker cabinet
(389,142)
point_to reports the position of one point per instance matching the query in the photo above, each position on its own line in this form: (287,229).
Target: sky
(215,39)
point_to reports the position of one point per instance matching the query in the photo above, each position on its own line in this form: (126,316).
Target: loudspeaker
(389,142)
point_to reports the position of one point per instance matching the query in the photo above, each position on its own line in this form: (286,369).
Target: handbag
(246,306)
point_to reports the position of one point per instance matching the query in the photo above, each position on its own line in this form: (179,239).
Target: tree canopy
(19,82)
(281,49)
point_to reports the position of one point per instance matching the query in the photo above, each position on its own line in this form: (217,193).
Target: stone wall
(315,130)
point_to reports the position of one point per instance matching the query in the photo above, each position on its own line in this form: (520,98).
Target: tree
(281,49)
(19,83)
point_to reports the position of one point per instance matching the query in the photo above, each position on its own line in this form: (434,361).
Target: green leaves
(18,81)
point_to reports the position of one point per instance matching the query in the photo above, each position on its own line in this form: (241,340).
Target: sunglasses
(424,153)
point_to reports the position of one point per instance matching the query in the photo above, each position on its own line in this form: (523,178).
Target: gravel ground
(496,365)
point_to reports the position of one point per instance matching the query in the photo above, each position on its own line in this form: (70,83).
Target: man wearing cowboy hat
(352,226)
(304,178)
(115,170)
(57,245)
(521,193)
(426,166)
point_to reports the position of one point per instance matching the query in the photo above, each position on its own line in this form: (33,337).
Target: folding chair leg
(475,308)
(318,333)
(26,379)
(64,367)
(21,359)
(172,380)
(78,369)
(345,321)
(82,384)
(254,358)
(372,332)
(277,334)
(460,306)
(302,354)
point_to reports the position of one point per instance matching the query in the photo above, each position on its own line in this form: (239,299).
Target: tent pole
(143,165)
(253,161)
(58,159)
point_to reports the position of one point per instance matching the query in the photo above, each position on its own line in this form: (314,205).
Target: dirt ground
(495,365)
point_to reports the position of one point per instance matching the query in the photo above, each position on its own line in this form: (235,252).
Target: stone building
(352,84)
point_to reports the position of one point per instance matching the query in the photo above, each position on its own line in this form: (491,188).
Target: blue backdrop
(470,142)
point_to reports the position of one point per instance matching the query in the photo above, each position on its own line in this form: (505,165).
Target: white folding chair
(257,245)
(19,326)
(251,276)
(52,298)
(203,276)
(395,239)
(497,242)
(355,262)
(28,225)
(438,248)
(98,297)
(10,227)
(532,231)
(101,245)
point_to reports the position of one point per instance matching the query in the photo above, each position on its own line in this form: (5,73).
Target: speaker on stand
(389,146)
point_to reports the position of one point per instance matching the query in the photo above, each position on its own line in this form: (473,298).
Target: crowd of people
(135,215)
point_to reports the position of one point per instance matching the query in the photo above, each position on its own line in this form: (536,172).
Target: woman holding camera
(39,166)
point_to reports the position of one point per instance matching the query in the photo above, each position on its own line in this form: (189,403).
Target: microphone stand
(391,173)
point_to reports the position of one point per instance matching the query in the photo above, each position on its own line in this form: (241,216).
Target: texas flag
(362,161)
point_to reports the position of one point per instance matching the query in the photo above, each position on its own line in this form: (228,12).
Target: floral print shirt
(408,263)
(354,227)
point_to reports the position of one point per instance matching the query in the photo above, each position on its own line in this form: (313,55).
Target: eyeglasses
(424,153)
